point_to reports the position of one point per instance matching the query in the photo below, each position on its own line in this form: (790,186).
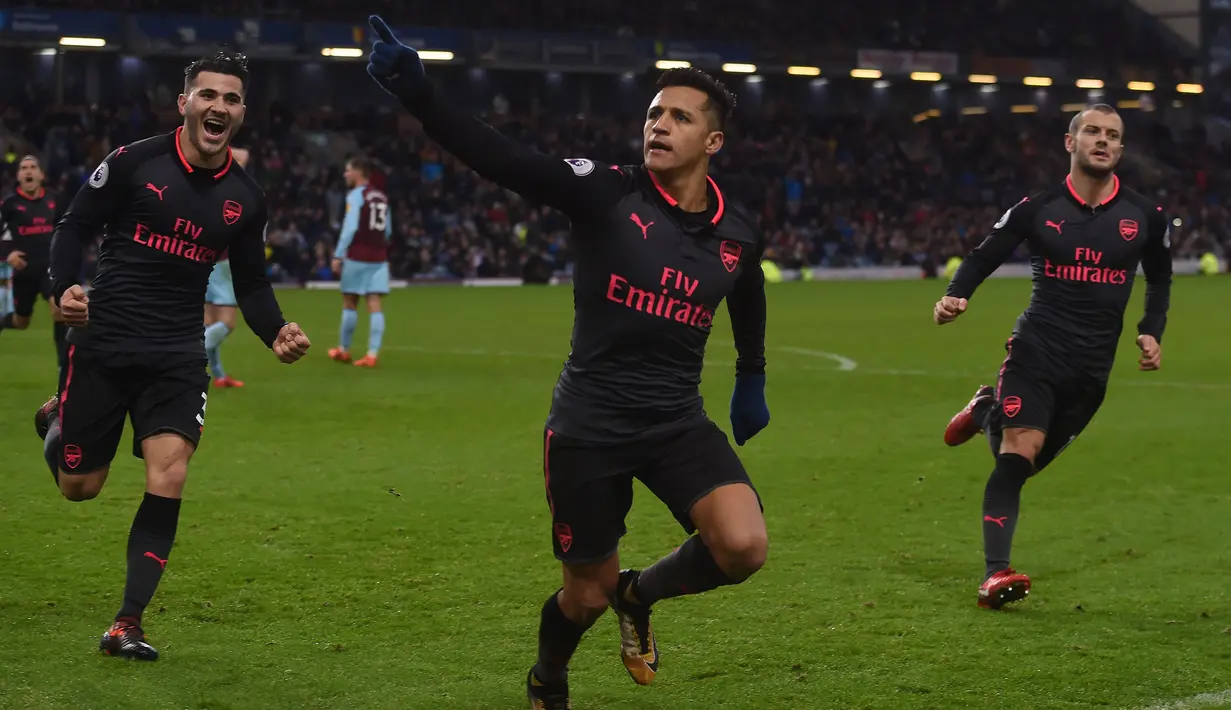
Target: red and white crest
(1128,229)
(1012,405)
(564,534)
(231,210)
(730,253)
(72,456)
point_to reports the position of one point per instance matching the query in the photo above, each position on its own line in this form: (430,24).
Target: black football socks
(1001,500)
(690,569)
(60,333)
(559,637)
(51,445)
(149,546)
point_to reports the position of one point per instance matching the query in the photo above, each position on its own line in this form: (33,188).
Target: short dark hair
(362,164)
(1097,108)
(721,103)
(224,61)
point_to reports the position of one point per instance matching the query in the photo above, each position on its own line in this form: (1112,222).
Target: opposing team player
(658,250)
(220,306)
(168,206)
(362,257)
(1086,237)
(27,220)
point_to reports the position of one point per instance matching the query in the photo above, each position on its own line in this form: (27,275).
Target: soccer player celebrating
(27,220)
(1086,237)
(168,206)
(362,257)
(658,250)
(220,305)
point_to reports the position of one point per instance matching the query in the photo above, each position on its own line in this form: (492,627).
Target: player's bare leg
(1001,501)
(149,542)
(350,319)
(219,323)
(567,614)
(731,544)
(376,331)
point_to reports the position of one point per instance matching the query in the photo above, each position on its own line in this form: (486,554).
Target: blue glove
(749,413)
(396,67)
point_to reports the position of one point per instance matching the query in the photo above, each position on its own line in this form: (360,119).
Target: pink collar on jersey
(672,201)
(1115,190)
(184,161)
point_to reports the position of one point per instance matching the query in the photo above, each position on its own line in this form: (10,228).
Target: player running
(1086,237)
(27,220)
(220,306)
(658,250)
(167,207)
(362,257)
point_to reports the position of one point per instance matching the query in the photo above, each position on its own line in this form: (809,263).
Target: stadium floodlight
(82,42)
(1140,86)
(1089,83)
(435,55)
(1036,81)
(865,73)
(981,78)
(974,110)
(1024,108)
(925,76)
(672,64)
(351,52)
(803,71)
(1128,103)
(1189,88)
(739,68)
(1072,108)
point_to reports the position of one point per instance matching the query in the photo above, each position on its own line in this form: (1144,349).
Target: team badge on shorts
(1012,405)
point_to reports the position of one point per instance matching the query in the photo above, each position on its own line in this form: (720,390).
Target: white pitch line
(1201,700)
(845,364)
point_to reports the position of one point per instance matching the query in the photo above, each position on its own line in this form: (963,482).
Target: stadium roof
(1183,17)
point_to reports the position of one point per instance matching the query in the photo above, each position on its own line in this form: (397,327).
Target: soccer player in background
(168,206)
(1086,237)
(362,258)
(658,250)
(27,220)
(220,306)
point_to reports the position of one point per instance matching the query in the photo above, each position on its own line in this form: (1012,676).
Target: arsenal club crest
(564,534)
(72,456)
(730,253)
(231,210)
(1012,405)
(1128,229)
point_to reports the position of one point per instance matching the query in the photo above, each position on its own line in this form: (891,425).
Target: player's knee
(78,488)
(740,553)
(584,600)
(20,322)
(227,316)
(1023,442)
(166,478)
(373,304)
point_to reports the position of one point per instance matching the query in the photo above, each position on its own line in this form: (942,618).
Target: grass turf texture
(380,538)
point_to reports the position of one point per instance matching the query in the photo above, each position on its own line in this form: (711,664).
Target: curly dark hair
(721,103)
(224,61)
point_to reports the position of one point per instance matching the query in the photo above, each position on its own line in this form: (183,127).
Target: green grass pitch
(379,538)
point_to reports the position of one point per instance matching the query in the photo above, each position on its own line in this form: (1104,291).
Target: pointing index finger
(382,30)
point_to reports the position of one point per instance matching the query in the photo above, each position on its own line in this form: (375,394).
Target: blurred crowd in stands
(843,191)
(844,187)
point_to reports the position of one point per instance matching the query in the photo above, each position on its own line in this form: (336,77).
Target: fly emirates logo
(669,304)
(1086,269)
(181,243)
